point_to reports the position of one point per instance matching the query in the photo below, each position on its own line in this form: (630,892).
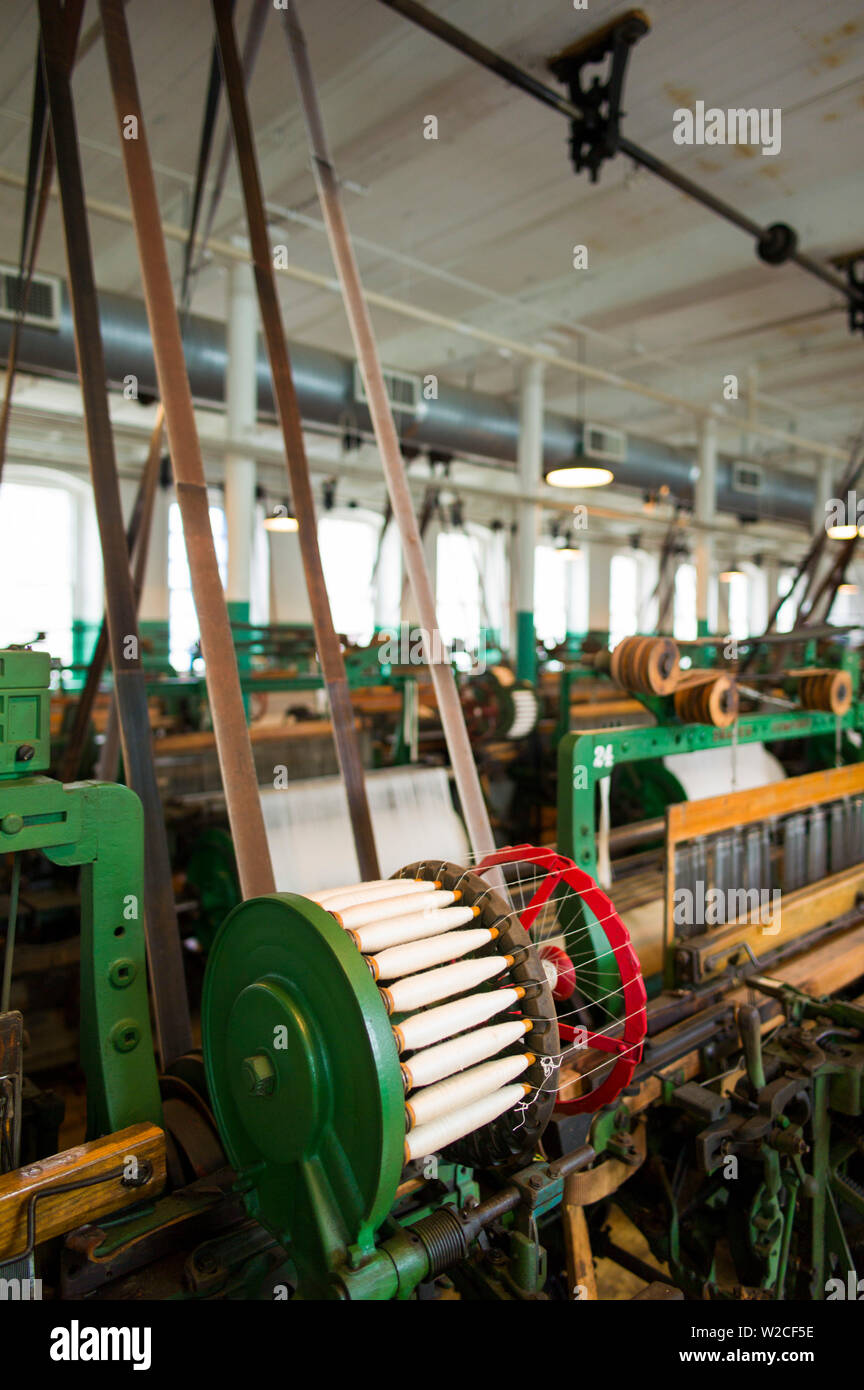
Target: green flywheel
(305,1081)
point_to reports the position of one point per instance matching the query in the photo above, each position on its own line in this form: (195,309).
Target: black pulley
(778,243)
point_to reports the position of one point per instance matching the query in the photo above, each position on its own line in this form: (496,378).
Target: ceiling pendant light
(281,518)
(577,474)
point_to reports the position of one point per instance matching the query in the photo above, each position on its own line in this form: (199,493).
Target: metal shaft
(517,77)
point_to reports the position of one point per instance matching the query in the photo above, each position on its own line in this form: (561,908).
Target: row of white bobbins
(414,934)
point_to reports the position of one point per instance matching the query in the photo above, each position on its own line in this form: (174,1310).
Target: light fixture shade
(281,518)
(847,588)
(726,576)
(842,533)
(578,475)
(566,546)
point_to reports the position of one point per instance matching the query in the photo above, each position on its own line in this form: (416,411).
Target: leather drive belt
(163,938)
(329,649)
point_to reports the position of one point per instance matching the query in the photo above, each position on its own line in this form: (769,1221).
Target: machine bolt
(535,1181)
(259,1074)
(12,824)
(24,753)
(125,1035)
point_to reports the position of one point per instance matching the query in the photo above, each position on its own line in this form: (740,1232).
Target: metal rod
(171,1006)
(223,682)
(604,1248)
(450,709)
(518,77)
(288,409)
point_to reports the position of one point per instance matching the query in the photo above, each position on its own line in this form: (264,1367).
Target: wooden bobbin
(648,665)
(711,701)
(826,690)
(661,666)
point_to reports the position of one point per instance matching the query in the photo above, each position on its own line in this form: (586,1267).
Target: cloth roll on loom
(309,830)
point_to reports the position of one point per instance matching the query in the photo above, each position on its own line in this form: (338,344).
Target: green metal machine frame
(99,827)
(585,758)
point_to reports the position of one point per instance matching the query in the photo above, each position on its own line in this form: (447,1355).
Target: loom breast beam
(223,684)
(163,938)
(329,647)
(449,706)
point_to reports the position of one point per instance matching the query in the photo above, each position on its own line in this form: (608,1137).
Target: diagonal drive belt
(449,707)
(329,649)
(240,783)
(163,939)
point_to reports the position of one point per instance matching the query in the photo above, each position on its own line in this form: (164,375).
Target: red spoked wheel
(625,1047)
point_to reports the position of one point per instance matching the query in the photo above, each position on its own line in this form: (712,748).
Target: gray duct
(466,423)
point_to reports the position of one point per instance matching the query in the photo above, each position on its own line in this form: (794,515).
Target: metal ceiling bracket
(594,134)
(855,281)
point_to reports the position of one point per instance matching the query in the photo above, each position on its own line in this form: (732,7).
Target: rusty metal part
(242,798)
(329,648)
(163,938)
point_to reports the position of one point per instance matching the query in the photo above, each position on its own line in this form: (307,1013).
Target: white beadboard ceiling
(480,224)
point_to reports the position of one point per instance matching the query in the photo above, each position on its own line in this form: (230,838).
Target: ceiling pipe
(468,424)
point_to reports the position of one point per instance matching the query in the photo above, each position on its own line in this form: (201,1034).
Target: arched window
(182,618)
(457,588)
(684,626)
(623,597)
(50,567)
(349,543)
(560,594)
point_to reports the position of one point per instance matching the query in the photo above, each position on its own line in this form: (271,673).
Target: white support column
(155,594)
(600,585)
(530,460)
(241,399)
(289,600)
(705,507)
